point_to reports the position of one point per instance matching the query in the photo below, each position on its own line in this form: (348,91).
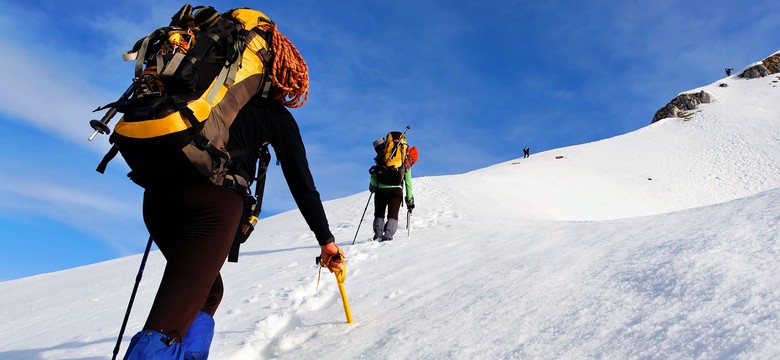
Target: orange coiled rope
(289,72)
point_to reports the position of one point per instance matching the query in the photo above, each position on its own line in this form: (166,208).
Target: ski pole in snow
(361,218)
(132,297)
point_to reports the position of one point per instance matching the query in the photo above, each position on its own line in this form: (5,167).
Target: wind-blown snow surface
(661,243)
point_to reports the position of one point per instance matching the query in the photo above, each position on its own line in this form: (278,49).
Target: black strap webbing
(262,169)
(110,155)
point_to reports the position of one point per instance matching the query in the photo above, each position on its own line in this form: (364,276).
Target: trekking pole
(101,126)
(132,297)
(361,218)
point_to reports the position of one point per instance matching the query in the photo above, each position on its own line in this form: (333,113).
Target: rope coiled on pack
(289,72)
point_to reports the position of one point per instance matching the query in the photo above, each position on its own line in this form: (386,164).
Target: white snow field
(657,244)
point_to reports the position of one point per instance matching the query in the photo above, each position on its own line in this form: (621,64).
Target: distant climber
(526,152)
(390,176)
(728,71)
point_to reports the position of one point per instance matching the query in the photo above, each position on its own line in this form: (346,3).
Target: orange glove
(331,257)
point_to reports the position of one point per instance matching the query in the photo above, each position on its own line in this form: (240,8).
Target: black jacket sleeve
(267,121)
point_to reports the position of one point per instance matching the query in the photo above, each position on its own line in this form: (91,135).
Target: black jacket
(267,121)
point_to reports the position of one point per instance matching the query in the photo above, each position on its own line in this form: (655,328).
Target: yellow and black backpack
(191,79)
(390,161)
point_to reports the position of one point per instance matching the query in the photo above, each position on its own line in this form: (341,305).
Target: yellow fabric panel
(400,153)
(250,18)
(158,127)
(251,64)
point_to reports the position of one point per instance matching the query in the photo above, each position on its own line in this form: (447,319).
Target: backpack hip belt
(237,183)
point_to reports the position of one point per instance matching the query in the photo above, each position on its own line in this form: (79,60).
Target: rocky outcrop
(682,106)
(768,66)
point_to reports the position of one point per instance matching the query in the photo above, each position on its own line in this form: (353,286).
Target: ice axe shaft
(408,223)
(340,274)
(344,299)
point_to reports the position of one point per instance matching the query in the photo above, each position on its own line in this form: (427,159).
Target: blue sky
(477,80)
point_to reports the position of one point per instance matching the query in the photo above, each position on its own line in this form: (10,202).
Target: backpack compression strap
(110,155)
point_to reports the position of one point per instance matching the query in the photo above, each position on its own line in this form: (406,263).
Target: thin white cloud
(112,219)
(44,96)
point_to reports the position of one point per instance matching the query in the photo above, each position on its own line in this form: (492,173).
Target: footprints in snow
(284,328)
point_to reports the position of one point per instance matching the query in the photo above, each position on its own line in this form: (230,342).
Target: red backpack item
(411,156)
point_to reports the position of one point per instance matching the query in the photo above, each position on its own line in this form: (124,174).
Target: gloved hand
(371,188)
(410,203)
(331,256)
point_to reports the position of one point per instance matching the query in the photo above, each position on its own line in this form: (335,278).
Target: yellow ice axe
(341,275)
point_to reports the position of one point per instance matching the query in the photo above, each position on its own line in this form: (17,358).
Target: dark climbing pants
(194,228)
(389,198)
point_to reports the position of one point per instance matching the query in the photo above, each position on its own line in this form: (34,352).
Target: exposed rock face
(682,106)
(768,66)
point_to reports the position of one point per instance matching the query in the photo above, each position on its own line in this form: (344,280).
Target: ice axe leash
(341,275)
(361,217)
(132,297)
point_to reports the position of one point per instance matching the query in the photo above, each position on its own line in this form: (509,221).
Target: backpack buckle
(201,142)
(234,182)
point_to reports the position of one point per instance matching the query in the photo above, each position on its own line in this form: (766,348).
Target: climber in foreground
(192,133)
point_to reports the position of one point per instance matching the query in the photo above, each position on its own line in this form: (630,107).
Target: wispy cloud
(112,219)
(45,95)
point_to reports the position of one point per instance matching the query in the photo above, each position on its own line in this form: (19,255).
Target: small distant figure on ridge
(526,152)
(728,71)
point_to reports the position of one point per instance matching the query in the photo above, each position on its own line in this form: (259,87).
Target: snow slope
(657,244)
